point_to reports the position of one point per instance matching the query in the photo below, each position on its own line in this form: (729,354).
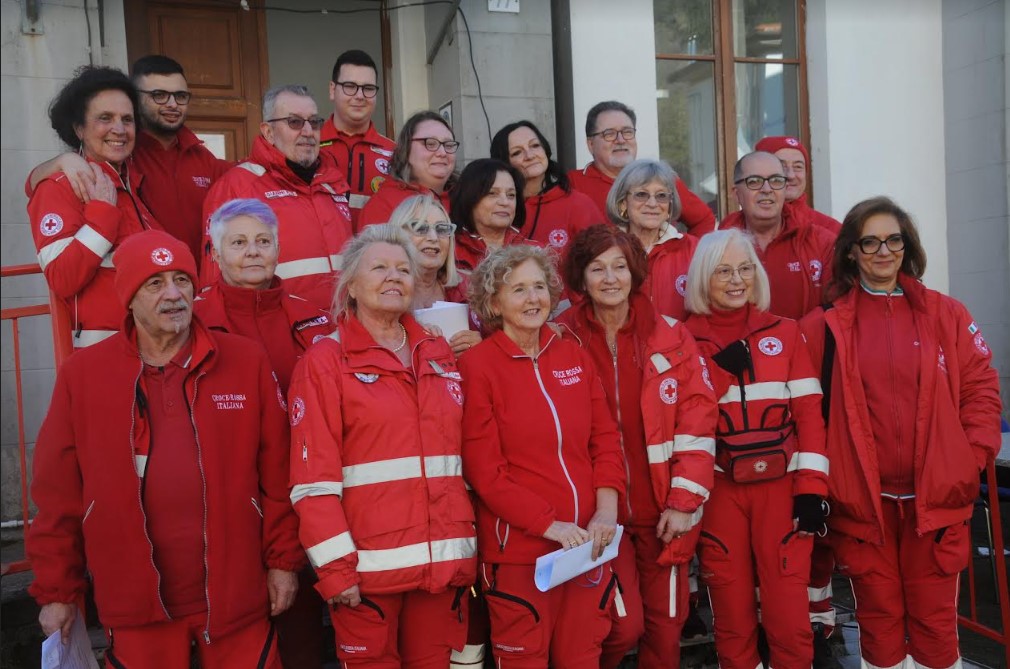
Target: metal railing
(62,347)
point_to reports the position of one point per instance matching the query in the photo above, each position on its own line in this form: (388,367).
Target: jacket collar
(362,349)
(204,346)
(185,139)
(511,349)
(331,133)
(591,170)
(267,155)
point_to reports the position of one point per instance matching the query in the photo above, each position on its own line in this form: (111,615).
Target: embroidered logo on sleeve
(280,395)
(816,270)
(705,375)
(980,344)
(668,391)
(297,411)
(973,328)
(681,285)
(382,165)
(51,225)
(455,391)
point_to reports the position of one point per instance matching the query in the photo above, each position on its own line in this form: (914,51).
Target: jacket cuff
(538,528)
(339,578)
(287,563)
(65,595)
(684,501)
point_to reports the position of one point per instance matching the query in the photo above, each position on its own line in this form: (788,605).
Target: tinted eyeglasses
(754,182)
(297,122)
(423,228)
(160,97)
(610,134)
(643,196)
(432,144)
(724,273)
(350,88)
(871,245)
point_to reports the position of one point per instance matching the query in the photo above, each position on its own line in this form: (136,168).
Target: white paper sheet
(563,565)
(75,654)
(449,316)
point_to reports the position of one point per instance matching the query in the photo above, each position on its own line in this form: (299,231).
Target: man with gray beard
(161,469)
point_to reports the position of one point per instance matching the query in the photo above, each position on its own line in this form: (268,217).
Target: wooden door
(223,51)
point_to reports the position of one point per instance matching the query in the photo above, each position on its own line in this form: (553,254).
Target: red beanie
(144,254)
(773,144)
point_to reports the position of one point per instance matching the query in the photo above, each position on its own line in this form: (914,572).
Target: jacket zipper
(361,170)
(895,411)
(620,425)
(140,486)
(557,429)
(203,478)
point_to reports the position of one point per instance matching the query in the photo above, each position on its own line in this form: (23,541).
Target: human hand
(78,172)
(282,586)
(350,597)
(104,189)
(672,524)
(464,340)
(602,528)
(57,616)
(569,535)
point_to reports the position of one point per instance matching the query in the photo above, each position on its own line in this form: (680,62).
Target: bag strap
(827,366)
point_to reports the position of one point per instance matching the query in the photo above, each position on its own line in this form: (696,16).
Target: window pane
(686,106)
(764,28)
(767,102)
(683,26)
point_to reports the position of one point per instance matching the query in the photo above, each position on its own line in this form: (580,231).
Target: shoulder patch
(312,322)
(51,224)
(255,168)
(770,345)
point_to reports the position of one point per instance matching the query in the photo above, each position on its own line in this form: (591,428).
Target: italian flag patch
(972,329)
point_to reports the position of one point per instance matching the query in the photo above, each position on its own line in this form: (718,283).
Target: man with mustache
(305,189)
(610,136)
(795,253)
(161,470)
(177,169)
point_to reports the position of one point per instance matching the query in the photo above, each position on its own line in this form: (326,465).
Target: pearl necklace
(403,342)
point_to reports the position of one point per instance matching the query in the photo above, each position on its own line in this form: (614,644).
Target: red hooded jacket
(89,466)
(375,464)
(471,249)
(364,160)
(655,388)
(314,220)
(391,193)
(286,325)
(555,217)
(957,418)
(538,440)
(694,213)
(798,263)
(75,244)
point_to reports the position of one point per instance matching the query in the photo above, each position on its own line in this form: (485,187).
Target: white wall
(410,68)
(876,112)
(601,74)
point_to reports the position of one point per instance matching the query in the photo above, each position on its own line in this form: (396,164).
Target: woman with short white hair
(376,411)
(644,202)
(771,469)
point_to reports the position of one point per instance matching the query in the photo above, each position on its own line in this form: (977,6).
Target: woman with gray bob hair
(240,207)
(708,256)
(644,202)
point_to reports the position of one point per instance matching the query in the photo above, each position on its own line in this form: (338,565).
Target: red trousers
(168,645)
(414,630)
(748,543)
(906,590)
(822,565)
(655,604)
(563,627)
(478,630)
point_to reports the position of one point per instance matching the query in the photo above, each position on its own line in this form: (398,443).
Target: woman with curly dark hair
(94,114)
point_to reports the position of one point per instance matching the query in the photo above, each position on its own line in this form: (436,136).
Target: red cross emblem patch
(161,256)
(770,346)
(558,238)
(297,411)
(51,224)
(668,391)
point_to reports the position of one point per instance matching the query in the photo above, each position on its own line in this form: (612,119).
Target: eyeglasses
(432,144)
(297,122)
(610,134)
(754,182)
(161,97)
(423,229)
(643,196)
(724,273)
(871,245)
(350,88)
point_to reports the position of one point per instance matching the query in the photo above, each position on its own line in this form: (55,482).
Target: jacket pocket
(716,562)
(516,628)
(950,548)
(854,558)
(794,556)
(362,631)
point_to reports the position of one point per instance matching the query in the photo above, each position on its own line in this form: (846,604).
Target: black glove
(810,511)
(735,358)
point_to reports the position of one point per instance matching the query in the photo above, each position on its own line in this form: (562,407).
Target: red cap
(144,254)
(773,144)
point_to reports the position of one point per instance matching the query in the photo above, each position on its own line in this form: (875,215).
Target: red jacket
(818,218)
(286,325)
(89,469)
(798,263)
(471,249)
(666,282)
(75,244)
(781,387)
(555,217)
(694,213)
(177,180)
(375,464)
(391,193)
(364,160)
(314,219)
(672,403)
(538,440)
(957,415)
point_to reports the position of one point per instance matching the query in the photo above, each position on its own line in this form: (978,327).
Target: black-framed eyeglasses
(754,182)
(724,273)
(423,228)
(350,88)
(297,122)
(871,245)
(160,97)
(432,144)
(610,134)
(643,196)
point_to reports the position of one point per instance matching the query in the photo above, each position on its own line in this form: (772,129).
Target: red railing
(62,347)
(996,556)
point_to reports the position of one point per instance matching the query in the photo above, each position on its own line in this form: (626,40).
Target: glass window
(684,27)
